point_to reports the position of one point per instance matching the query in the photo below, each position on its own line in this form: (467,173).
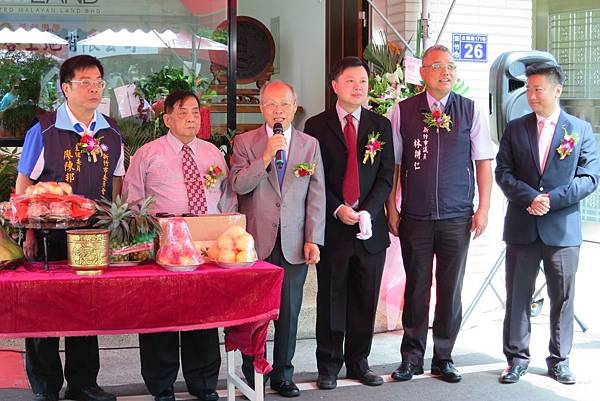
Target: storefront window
(574,40)
(281,39)
(147,48)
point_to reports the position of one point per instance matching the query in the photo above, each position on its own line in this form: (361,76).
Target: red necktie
(350,188)
(193,183)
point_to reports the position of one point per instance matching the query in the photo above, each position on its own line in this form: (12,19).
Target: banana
(9,250)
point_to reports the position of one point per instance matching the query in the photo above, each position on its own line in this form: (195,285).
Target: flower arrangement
(304,169)
(92,147)
(386,91)
(386,82)
(567,144)
(373,146)
(214,174)
(436,118)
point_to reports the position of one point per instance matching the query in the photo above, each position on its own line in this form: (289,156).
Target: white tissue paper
(365,224)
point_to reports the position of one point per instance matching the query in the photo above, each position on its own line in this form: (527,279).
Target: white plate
(177,269)
(232,265)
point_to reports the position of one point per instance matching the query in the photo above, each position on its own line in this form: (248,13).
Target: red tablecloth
(142,299)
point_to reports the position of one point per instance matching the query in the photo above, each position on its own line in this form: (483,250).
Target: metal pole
(445,21)
(486,282)
(232,65)
(194,56)
(389,24)
(424,22)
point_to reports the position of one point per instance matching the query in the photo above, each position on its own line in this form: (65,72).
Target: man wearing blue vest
(50,154)
(437,136)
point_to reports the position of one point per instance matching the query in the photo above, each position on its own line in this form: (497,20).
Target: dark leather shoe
(45,397)
(206,395)
(446,371)
(286,388)
(562,374)
(326,382)
(94,393)
(168,397)
(405,371)
(512,374)
(368,378)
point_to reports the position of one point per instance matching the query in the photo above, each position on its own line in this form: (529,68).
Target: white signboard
(411,70)
(127,101)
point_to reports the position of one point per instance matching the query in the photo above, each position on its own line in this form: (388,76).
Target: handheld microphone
(280,155)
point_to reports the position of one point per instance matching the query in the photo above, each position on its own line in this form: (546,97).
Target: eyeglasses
(285,106)
(439,66)
(87,83)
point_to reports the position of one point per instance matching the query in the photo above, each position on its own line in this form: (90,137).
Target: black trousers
(522,267)
(349,279)
(42,361)
(286,326)
(421,240)
(200,358)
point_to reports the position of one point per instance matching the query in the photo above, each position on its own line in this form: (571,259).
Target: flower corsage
(93,147)
(438,119)
(567,144)
(214,174)
(373,146)
(304,169)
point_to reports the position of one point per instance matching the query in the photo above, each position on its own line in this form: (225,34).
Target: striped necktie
(193,183)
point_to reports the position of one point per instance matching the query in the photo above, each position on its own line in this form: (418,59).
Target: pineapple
(115,216)
(129,225)
(143,227)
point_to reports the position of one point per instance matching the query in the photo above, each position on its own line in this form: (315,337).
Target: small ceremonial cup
(88,251)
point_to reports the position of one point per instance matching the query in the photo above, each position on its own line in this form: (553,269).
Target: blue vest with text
(62,163)
(436,172)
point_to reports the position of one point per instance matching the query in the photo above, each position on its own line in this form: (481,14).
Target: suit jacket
(375,180)
(566,181)
(298,206)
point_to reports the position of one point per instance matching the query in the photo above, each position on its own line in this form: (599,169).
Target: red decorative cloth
(350,188)
(142,299)
(193,183)
(204,131)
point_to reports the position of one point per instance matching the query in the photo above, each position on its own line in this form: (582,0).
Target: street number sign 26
(469,47)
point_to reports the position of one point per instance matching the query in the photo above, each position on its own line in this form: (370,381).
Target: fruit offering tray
(49,223)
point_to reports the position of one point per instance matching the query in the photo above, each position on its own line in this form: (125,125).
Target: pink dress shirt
(546,128)
(155,169)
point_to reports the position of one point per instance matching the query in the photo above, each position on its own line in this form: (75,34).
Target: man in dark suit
(544,174)
(357,149)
